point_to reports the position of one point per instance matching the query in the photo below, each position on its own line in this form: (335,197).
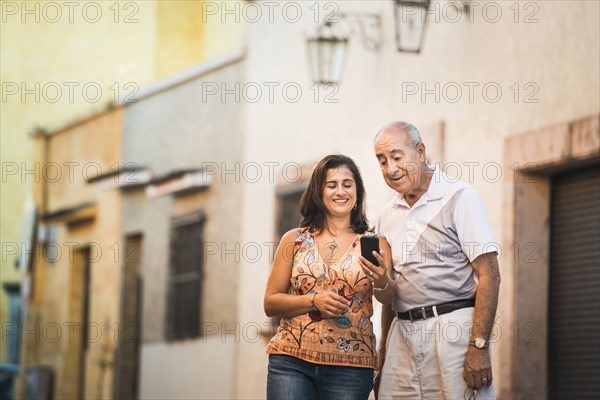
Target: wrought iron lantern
(327,54)
(328,50)
(411,18)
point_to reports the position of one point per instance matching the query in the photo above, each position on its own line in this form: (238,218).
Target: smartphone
(368,244)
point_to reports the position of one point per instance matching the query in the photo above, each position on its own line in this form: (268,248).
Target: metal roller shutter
(574,290)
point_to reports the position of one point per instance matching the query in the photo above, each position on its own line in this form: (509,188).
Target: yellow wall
(222,36)
(189,31)
(49,54)
(178,35)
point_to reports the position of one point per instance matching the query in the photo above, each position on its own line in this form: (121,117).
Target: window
(185,278)
(288,217)
(289,211)
(13,348)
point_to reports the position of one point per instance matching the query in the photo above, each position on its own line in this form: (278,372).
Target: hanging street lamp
(327,54)
(411,17)
(328,50)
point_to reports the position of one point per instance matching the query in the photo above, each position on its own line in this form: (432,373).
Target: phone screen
(368,244)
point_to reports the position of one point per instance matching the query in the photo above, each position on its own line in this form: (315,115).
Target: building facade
(218,155)
(515,94)
(69,332)
(68,61)
(182,222)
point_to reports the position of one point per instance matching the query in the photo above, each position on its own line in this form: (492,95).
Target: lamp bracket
(366,25)
(461,5)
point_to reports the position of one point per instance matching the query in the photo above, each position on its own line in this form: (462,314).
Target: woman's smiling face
(339,193)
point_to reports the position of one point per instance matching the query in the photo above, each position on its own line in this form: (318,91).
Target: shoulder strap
(300,237)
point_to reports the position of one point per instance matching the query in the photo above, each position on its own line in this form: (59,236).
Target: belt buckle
(423,314)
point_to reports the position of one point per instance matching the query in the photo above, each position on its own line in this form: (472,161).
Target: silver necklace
(332,246)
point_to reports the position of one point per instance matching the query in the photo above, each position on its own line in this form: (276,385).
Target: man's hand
(381,358)
(378,370)
(387,316)
(478,368)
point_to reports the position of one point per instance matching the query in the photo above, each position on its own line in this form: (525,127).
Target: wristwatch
(480,343)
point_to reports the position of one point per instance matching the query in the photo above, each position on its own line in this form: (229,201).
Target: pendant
(332,247)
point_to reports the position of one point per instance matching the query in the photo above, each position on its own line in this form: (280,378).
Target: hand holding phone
(368,244)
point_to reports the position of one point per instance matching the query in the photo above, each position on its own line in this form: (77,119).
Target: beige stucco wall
(78,154)
(196,370)
(173,130)
(56,305)
(527,199)
(559,54)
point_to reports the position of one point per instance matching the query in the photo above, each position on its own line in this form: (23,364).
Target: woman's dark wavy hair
(312,206)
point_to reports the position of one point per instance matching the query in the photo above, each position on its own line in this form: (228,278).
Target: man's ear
(421,150)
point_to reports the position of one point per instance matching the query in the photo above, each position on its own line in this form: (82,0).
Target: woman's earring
(355,206)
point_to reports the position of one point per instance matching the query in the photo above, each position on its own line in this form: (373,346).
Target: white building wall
(187,370)
(557,57)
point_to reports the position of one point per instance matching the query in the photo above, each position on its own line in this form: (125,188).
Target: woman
(324,346)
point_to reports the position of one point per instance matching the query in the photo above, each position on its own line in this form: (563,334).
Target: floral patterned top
(346,340)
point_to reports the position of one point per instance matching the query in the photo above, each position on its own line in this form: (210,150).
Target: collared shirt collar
(435,191)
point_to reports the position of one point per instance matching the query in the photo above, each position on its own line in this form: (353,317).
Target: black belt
(420,313)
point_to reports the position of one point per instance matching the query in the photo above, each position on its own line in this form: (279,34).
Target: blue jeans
(292,378)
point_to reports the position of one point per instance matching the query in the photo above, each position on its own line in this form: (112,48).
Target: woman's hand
(377,275)
(331,305)
(380,275)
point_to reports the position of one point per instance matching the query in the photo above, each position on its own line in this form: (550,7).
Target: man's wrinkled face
(400,162)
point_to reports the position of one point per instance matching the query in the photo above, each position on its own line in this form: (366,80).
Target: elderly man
(446,273)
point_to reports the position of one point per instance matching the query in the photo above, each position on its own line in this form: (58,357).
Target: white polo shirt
(434,242)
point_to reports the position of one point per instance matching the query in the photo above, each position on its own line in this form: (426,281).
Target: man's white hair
(413,133)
